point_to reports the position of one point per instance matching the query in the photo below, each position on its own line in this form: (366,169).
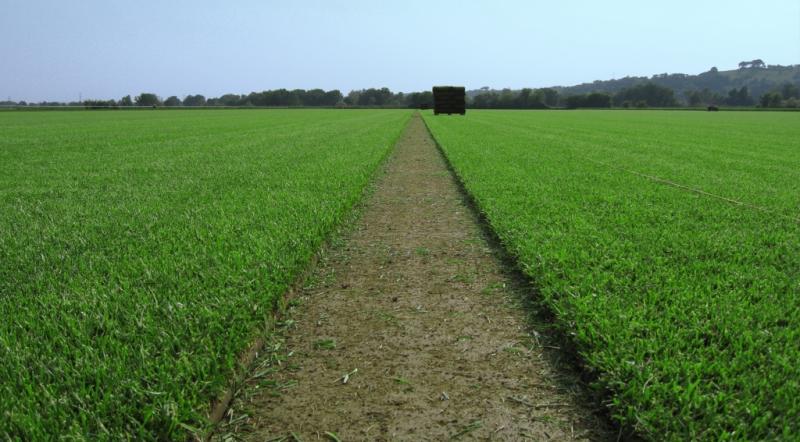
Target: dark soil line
(412,328)
(220,405)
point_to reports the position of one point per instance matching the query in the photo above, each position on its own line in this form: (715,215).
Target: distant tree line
(645,94)
(787,96)
(590,100)
(508,99)
(641,95)
(758,78)
(382,97)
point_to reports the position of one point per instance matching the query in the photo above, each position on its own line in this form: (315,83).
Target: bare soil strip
(411,329)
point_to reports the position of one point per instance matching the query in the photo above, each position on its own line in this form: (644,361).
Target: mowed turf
(140,252)
(685,304)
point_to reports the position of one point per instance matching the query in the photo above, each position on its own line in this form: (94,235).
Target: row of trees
(787,96)
(145,99)
(592,99)
(382,97)
(278,97)
(758,79)
(522,99)
(640,95)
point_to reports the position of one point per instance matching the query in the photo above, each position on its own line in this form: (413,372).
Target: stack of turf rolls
(449,100)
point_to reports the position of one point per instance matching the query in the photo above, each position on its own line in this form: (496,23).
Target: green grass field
(142,251)
(667,244)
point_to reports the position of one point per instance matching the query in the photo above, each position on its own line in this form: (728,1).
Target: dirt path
(414,304)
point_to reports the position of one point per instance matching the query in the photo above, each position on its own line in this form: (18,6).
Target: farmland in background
(141,251)
(667,244)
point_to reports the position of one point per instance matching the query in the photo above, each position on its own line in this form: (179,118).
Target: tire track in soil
(415,305)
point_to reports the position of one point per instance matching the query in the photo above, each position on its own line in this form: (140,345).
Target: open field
(141,251)
(667,244)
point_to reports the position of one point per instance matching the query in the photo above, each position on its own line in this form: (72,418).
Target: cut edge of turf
(537,308)
(220,404)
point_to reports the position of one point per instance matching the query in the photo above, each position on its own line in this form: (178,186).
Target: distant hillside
(758,81)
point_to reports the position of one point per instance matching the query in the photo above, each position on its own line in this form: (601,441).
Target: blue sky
(57,50)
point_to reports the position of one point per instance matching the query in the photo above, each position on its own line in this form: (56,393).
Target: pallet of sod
(449,100)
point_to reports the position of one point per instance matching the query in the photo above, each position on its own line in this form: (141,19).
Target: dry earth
(415,310)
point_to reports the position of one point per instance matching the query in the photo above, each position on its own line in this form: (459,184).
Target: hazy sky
(58,49)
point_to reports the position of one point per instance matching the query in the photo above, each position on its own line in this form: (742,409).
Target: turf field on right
(666,243)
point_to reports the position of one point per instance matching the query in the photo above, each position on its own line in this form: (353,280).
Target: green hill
(757,80)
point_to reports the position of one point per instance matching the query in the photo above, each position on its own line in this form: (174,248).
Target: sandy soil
(411,328)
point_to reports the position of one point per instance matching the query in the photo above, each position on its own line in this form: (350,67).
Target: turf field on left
(141,251)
